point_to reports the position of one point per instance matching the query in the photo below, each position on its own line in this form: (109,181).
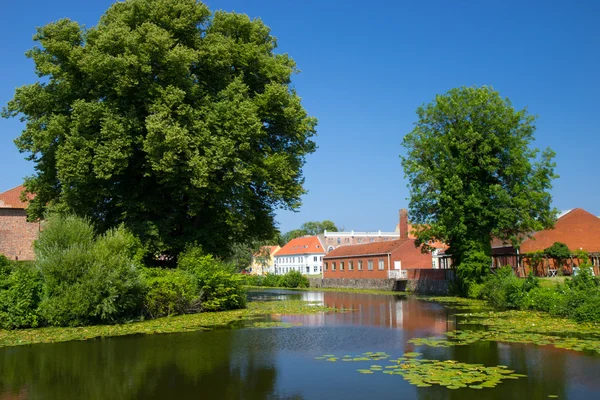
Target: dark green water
(279,363)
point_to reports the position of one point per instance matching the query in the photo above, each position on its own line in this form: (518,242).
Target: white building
(304,255)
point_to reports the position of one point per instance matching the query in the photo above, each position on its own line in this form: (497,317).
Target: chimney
(403,225)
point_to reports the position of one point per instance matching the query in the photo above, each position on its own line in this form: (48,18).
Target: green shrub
(20,294)
(545,299)
(503,289)
(474,291)
(472,269)
(219,286)
(270,280)
(253,280)
(588,309)
(293,279)
(169,292)
(88,279)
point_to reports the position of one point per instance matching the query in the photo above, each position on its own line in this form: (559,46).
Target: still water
(279,363)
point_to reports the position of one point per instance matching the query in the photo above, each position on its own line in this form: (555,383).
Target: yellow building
(263,262)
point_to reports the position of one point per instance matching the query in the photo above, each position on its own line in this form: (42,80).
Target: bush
(293,279)
(503,289)
(253,280)
(472,269)
(88,279)
(218,285)
(270,280)
(169,292)
(20,294)
(549,300)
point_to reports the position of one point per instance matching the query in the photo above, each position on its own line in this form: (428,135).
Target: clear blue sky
(367,66)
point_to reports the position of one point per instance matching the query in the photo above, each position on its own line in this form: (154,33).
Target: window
(307,269)
(315,258)
(370,265)
(333,266)
(341,265)
(319,268)
(359,240)
(321,258)
(339,240)
(326,265)
(315,269)
(360,265)
(350,265)
(381,264)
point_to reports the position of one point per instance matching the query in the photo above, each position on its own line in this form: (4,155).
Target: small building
(263,262)
(16,234)
(378,260)
(303,254)
(577,228)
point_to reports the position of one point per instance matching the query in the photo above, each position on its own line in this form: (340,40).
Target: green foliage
(309,228)
(169,292)
(20,295)
(270,280)
(293,279)
(474,266)
(559,252)
(180,123)
(219,286)
(88,279)
(473,175)
(503,289)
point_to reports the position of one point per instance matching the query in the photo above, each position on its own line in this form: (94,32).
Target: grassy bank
(182,323)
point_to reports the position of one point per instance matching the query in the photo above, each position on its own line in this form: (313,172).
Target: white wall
(300,263)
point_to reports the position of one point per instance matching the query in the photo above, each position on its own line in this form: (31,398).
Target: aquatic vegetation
(264,325)
(182,323)
(447,373)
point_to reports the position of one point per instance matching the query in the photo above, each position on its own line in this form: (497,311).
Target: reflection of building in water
(414,316)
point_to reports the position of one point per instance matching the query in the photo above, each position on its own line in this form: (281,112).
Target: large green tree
(474,176)
(178,122)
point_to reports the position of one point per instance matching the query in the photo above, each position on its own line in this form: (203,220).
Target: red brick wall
(16,234)
(432,274)
(365,273)
(409,256)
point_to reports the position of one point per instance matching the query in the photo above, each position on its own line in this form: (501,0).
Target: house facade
(16,234)
(378,260)
(304,254)
(263,262)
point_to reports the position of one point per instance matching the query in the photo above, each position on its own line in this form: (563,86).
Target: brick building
(577,228)
(16,234)
(378,260)
(303,254)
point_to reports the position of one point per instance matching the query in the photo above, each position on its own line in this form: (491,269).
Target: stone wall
(421,281)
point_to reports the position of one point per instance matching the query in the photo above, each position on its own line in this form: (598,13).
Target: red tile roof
(368,248)
(576,228)
(11,198)
(302,245)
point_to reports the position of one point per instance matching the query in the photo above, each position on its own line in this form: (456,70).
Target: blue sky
(367,66)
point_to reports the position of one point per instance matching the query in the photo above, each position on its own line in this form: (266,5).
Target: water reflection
(280,364)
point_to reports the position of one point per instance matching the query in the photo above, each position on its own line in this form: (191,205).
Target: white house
(304,254)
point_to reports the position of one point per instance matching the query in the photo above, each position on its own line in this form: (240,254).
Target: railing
(397,274)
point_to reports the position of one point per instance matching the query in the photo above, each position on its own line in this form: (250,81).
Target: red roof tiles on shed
(303,245)
(11,198)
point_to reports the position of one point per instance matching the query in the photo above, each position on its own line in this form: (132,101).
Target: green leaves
(180,124)
(472,174)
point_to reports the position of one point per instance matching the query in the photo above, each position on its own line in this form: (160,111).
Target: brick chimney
(403,225)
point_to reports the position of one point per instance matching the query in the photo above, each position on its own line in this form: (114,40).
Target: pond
(285,362)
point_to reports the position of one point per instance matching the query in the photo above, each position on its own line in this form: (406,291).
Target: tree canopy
(178,122)
(473,174)
(309,228)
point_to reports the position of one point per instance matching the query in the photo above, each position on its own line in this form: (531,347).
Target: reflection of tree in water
(194,365)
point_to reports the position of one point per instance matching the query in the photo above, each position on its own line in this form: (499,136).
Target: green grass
(551,282)
(182,323)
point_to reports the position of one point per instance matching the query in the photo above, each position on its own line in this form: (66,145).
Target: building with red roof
(303,254)
(263,262)
(378,260)
(16,234)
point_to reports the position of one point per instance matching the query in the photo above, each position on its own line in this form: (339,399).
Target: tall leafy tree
(474,176)
(178,122)
(308,228)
